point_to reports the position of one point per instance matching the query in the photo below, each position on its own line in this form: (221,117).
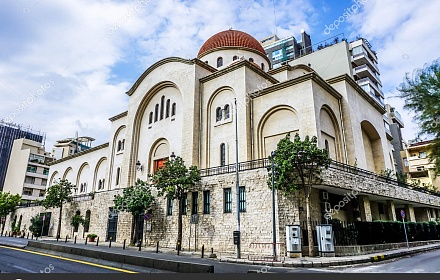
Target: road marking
(70,260)
(22,268)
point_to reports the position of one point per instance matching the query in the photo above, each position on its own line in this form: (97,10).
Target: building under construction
(8,133)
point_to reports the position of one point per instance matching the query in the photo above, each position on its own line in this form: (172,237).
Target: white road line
(22,268)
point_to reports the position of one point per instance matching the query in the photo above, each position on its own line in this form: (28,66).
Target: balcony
(397,118)
(364,71)
(369,90)
(375,87)
(362,58)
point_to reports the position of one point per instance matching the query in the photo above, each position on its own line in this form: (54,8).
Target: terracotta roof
(231,38)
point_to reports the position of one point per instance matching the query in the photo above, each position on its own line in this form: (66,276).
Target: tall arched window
(222,154)
(173,109)
(119,145)
(251,59)
(118,173)
(219,62)
(326,146)
(156,112)
(123,144)
(262,66)
(150,119)
(99,184)
(227,111)
(167,113)
(103,183)
(218,114)
(162,107)
(235,58)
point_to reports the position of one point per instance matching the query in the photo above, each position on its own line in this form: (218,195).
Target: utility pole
(237,184)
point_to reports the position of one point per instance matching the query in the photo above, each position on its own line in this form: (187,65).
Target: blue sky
(65,65)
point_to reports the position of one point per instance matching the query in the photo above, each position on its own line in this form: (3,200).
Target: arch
(227,111)
(112,160)
(173,109)
(218,114)
(162,106)
(374,155)
(167,113)
(150,119)
(97,176)
(69,171)
(138,122)
(156,113)
(159,152)
(83,177)
(52,178)
(219,61)
(273,126)
(330,133)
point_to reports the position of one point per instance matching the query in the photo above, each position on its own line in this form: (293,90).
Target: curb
(12,245)
(314,264)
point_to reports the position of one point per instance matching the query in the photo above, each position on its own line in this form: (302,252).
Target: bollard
(157,247)
(123,246)
(97,241)
(32,237)
(65,241)
(212,250)
(178,248)
(110,244)
(203,250)
(86,241)
(140,244)
(36,237)
(27,236)
(74,241)
(58,237)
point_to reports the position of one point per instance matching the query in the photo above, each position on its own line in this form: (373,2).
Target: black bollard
(97,241)
(74,241)
(140,244)
(157,247)
(32,237)
(178,248)
(65,241)
(203,250)
(58,237)
(86,240)
(110,244)
(123,246)
(27,236)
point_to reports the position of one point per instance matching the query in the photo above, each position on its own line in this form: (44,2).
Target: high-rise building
(8,133)
(27,170)
(395,126)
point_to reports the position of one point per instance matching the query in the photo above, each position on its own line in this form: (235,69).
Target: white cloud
(405,36)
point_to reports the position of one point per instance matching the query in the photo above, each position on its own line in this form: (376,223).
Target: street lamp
(139,166)
(273,207)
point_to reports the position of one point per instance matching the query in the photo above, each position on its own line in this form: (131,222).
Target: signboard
(236,235)
(402,213)
(194,219)
(147,217)
(148,228)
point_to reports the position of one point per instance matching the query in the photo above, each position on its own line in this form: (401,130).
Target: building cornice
(119,116)
(105,145)
(359,89)
(235,66)
(307,77)
(235,48)
(288,67)
(163,62)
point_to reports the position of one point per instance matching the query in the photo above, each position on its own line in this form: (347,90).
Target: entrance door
(46,223)
(139,223)
(112,225)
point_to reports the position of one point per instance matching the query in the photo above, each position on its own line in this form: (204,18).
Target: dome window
(219,62)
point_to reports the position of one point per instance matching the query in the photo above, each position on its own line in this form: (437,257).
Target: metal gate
(139,223)
(112,225)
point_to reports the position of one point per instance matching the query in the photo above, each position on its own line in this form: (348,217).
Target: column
(409,213)
(391,210)
(365,208)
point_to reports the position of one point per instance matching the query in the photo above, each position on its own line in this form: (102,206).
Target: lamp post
(273,208)
(237,183)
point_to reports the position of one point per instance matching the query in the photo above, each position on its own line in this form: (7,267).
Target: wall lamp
(139,166)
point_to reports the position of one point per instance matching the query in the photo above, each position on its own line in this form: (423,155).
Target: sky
(65,65)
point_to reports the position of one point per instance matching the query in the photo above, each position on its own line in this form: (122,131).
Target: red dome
(231,38)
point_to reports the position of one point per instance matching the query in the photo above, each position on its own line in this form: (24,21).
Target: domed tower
(227,47)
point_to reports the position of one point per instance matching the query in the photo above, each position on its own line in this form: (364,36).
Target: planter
(91,239)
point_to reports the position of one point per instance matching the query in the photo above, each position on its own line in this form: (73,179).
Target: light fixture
(172,156)
(139,166)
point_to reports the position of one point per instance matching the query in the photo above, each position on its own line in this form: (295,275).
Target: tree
(8,203)
(298,165)
(421,94)
(36,226)
(172,181)
(136,200)
(56,196)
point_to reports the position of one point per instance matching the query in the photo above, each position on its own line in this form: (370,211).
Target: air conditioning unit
(325,195)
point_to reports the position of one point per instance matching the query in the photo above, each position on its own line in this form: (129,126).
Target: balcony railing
(264,163)
(364,54)
(370,82)
(371,73)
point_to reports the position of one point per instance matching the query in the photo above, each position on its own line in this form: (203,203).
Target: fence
(378,232)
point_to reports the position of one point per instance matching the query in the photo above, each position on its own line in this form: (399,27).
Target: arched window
(119,145)
(251,59)
(262,66)
(156,112)
(167,113)
(103,183)
(150,120)
(235,58)
(118,173)
(218,114)
(206,62)
(227,111)
(222,154)
(219,62)
(173,109)
(99,184)
(87,221)
(326,146)
(123,144)
(162,106)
